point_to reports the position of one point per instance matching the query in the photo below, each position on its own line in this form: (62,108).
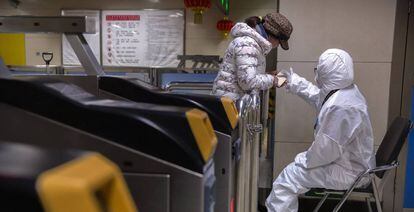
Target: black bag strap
(329,95)
(326,99)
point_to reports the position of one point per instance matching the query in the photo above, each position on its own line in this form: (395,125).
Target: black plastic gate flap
(137,91)
(160,131)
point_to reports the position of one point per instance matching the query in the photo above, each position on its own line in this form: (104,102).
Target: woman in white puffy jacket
(244,62)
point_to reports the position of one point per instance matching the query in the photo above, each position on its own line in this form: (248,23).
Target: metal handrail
(188,86)
(244,104)
(153,72)
(41,67)
(251,127)
(252,115)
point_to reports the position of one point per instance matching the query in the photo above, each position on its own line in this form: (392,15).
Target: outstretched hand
(279,79)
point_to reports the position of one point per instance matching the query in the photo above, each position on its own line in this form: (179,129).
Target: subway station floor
(307,205)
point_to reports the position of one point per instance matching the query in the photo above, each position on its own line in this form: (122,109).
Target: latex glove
(287,74)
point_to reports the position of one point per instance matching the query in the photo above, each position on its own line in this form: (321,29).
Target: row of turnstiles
(176,152)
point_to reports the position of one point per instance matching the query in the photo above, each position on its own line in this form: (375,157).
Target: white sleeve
(247,62)
(302,87)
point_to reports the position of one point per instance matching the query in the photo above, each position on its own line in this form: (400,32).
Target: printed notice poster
(69,57)
(142,38)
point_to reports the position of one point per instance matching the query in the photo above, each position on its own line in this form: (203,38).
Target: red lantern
(198,7)
(224,26)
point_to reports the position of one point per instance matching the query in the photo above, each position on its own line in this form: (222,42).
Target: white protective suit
(343,143)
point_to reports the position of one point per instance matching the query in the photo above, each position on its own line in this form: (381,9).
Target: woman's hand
(279,79)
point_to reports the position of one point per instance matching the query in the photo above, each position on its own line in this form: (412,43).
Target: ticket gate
(221,111)
(167,168)
(73,28)
(45,121)
(39,179)
(223,115)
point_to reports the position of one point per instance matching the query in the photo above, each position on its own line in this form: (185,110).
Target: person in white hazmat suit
(343,145)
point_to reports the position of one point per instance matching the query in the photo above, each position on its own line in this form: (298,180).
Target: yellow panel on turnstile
(12,49)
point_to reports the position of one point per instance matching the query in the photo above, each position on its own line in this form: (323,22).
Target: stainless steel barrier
(198,86)
(266,150)
(245,105)
(154,73)
(254,168)
(255,145)
(251,128)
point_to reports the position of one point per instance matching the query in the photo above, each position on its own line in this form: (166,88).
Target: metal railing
(199,86)
(253,131)
(154,73)
(254,143)
(252,125)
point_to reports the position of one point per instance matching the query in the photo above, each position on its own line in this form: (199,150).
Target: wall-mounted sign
(142,38)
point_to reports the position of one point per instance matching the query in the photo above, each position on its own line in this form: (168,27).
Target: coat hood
(335,70)
(242,29)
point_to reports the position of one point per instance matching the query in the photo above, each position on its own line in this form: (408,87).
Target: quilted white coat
(244,64)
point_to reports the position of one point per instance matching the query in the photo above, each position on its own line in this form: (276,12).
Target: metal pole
(153,77)
(255,152)
(238,172)
(244,105)
(247,167)
(266,150)
(264,116)
(84,54)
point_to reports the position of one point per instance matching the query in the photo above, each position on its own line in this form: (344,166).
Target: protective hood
(242,29)
(335,70)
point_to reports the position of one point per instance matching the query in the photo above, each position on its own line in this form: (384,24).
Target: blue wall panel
(409,176)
